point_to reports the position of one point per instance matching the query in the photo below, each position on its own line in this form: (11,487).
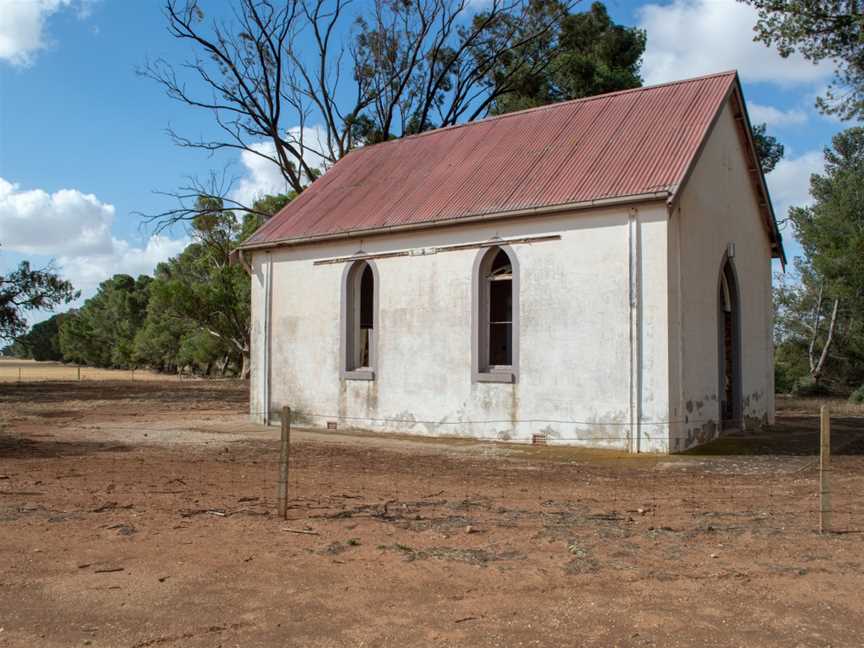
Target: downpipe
(265,378)
(635,331)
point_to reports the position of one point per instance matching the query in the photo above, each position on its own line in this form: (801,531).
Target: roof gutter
(458,220)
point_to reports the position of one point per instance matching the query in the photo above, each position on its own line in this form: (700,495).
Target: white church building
(595,272)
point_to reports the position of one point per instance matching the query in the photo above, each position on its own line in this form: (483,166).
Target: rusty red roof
(618,145)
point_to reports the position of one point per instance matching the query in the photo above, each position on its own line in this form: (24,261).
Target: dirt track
(142,514)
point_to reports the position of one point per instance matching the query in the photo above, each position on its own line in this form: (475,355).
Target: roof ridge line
(551,106)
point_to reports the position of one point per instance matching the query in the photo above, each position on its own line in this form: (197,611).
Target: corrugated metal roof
(617,145)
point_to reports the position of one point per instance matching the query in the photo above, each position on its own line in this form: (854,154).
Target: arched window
(496,316)
(729,346)
(359,315)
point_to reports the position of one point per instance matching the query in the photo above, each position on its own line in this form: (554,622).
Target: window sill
(507,377)
(359,374)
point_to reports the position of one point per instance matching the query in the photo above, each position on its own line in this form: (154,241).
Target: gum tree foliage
(587,54)
(192,315)
(24,290)
(102,332)
(42,341)
(157,343)
(831,232)
(199,310)
(819,340)
(14,350)
(768,148)
(200,292)
(821,30)
(312,79)
(823,314)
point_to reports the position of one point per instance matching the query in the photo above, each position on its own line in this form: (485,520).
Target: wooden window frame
(481,370)
(350,307)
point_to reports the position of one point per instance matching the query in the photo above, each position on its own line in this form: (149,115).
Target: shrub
(857,396)
(790,366)
(806,387)
(784,379)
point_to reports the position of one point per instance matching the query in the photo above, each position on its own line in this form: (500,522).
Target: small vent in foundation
(331,425)
(538,439)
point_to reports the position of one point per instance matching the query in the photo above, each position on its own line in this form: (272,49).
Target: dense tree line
(819,325)
(192,315)
(41,342)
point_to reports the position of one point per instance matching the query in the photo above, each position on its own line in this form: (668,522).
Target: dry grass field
(789,406)
(142,514)
(15,370)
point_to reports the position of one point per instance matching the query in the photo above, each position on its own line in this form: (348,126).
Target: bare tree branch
(281,65)
(216,188)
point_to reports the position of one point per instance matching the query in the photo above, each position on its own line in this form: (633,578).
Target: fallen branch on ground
(303,531)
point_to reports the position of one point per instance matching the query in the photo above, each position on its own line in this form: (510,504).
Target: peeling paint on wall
(705,227)
(573,349)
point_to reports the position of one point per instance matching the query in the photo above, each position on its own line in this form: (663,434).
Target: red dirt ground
(143,514)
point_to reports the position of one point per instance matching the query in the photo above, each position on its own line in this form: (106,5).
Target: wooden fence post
(283,462)
(19,374)
(825,470)
(79,373)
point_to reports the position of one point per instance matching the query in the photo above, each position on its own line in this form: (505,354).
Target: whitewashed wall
(574,380)
(718,206)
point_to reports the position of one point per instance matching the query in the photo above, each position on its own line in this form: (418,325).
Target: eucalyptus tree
(300,83)
(821,30)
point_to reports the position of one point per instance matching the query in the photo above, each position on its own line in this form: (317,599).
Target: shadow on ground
(16,447)
(790,436)
(223,392)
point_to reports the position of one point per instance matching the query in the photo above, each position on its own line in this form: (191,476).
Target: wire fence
(444,484)
(28,372)
(770,491)
(133,491)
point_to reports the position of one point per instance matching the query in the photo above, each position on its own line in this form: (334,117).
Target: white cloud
(693,37)
(86,272)
(789,182)
(75,229)
(775,116)
(263,177)
(22,27)
(67,221)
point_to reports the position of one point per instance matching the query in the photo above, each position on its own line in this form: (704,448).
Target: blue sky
(83,147)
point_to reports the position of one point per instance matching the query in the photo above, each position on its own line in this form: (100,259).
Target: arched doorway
(729,346)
